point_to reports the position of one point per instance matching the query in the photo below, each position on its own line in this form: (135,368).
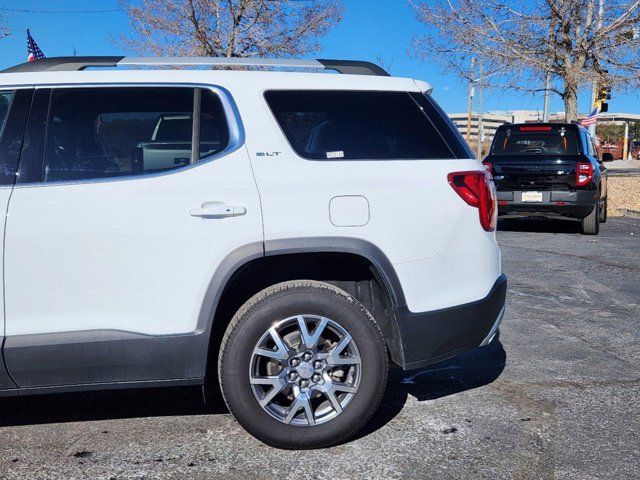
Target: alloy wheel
(305,370)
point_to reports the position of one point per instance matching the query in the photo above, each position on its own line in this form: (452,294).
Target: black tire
(603,210)
(253,320)
(591,223)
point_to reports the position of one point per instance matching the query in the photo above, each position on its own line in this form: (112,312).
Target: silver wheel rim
(305,370)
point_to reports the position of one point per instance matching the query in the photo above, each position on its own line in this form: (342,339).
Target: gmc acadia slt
(287,234)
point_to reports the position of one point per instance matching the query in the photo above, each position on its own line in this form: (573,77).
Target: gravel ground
(556,396)
(624,194)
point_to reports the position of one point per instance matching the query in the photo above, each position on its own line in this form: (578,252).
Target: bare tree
(229,28)
(575,40)
(384,62)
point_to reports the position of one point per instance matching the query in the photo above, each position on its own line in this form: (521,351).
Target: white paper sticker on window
(339,154)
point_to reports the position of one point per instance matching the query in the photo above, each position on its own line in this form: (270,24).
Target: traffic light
(603,93)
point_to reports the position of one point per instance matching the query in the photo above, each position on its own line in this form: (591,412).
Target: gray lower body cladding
(431,337)
(80,358)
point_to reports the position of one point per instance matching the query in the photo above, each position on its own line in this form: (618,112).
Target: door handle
(218,210)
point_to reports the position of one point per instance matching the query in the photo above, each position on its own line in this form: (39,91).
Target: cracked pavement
(556,396)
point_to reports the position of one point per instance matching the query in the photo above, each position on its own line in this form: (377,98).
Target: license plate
(532,196)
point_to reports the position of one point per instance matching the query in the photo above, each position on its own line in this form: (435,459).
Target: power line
(114,10)
(21,10)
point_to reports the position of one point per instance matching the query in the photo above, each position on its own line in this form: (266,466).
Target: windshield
(535,141)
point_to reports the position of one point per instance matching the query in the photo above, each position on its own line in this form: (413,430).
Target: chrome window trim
(21,86)
(234,124)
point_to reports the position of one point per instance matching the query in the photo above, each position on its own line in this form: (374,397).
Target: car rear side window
(535,140)
(356,125)
(108,132)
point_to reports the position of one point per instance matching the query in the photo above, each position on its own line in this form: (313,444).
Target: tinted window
(214,131)
(6,99)
(356,125)
(444,125)
(30,166)
(535,141)
(592,145)
(14,109)
(106,132)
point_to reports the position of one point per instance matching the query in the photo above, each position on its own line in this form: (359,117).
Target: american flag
(591,119)
(32,47)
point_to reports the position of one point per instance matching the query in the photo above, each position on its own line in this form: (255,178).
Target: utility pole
(625,148)
(480,126)
(594,93)
(471,92)
(547,95)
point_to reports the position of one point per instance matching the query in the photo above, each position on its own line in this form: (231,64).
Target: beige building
(490,123)
(492,120)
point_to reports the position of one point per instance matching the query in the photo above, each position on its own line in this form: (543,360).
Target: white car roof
(54,73)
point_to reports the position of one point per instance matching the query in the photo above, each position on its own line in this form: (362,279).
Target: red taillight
(488,166)
(584,173)
(477,189)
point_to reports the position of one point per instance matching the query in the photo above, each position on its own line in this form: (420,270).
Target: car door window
(6,99)
(14,109)
(96,133)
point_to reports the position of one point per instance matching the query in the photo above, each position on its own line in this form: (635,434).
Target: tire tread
(294,286)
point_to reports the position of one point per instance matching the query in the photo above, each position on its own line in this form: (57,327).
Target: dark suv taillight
(584,173)
(477,189)
(488,166)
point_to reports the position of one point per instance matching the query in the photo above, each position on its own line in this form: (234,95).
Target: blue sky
(370,28)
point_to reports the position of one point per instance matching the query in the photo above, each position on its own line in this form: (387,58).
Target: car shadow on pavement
(539,225)
(473,369)
(468,371)
(105,405)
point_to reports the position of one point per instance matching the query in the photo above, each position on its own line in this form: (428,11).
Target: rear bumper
(577,204)
(432,337)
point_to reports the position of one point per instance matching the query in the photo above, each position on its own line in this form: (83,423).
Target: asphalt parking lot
(556,396)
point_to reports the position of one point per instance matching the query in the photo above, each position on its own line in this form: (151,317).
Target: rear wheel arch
(355,266)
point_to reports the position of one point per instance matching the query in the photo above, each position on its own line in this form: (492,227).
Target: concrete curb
(627,213)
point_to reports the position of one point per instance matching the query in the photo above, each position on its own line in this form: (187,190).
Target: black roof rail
(66,64)
(354,67)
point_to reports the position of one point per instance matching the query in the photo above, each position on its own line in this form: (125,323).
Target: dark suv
(549,170)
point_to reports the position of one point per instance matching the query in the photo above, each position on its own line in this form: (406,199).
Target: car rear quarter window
(535,140)
(99,132)
(357,125)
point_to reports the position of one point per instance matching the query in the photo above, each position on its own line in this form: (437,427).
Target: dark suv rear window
(533,140)
(350,125)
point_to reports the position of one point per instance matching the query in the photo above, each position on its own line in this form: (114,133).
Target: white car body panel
(123,254)
(414,212)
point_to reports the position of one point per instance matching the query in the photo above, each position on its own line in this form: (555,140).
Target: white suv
(289,234)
